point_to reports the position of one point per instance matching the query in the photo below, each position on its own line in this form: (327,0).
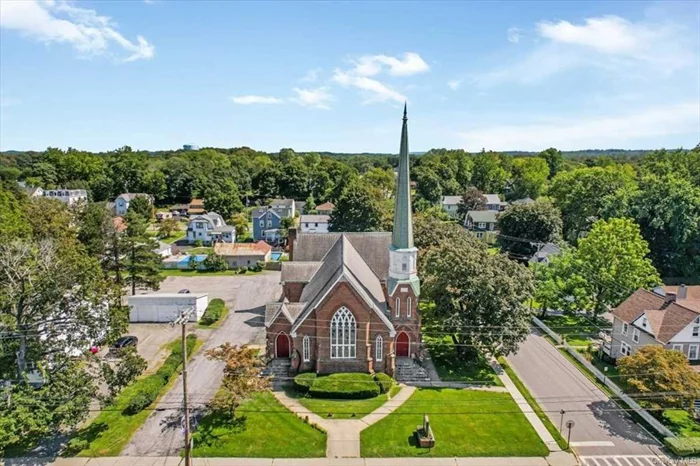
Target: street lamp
(561,421)
(569,425)
(605,375)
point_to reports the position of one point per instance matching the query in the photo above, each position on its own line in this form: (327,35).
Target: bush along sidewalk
(343,385)
(214,314)
(112,429)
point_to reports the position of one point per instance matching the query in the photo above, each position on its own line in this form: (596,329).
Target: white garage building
(165,307)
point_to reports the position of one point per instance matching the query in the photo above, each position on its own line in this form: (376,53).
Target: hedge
(214,311)
(150,387)
(683,446)
(303,382)
(344,386)
(384,381)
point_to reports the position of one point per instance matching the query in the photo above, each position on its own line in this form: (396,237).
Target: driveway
(246,296)
(153,339)
(600,428)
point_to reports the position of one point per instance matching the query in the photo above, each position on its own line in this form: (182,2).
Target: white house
(165,307)
(210,228)
(314,223)
(164,249)
(121,203)
(449,204)
(493,202)
(67,196)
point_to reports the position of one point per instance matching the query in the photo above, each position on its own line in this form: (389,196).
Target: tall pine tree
(141,264)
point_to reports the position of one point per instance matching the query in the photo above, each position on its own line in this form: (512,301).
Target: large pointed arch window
(343,335)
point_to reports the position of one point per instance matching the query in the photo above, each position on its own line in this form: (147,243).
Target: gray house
(482,223)
(667,316)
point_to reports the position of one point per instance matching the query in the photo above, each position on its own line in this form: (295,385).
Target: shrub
(345,386)
(198,243)
(303,382)
(384,381)
(683,446)
(76,445)
(242,269)
(215,262)
(214,311)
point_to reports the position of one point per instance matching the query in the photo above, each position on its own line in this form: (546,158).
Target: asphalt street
(245,296)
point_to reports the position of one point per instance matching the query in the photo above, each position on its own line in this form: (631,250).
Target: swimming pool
(276,256)
(185,261)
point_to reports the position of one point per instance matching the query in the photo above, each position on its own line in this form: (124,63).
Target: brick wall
(292,291)
(403,323)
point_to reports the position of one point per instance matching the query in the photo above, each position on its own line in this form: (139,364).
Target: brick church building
(350,300)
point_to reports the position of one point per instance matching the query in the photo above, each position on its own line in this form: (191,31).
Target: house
(493,202)
(350,300)
(284,207)
(243,254)
(450,204)
(166,307)
(299,207)
(314,223)
(164,249)
(210,228)
(180,210)
(121,203)
(33,191)
(267,221)
(160,216)
(482,223)
(667,316)
(196,207)
(542,255)
(525,200)
(325,209)
(67,196)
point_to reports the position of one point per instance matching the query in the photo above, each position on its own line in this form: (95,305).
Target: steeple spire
(402,237)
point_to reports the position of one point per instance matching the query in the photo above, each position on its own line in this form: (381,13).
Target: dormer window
(644,322)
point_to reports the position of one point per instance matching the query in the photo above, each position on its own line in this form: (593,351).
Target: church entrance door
(282,346)
(402,345)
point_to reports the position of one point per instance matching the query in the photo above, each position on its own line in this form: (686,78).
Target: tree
(215,262)
(479,297)
(529,177)
(12,224)
(357,209)
(525,227)
(383,179)
(554,160)
(223,198)
(428,184)
(167,227)
(240,222)
(141,264)
(129,366)
(488,174)
(472,199)
(310,205)
(652,369)
(241,376)
(142,205)
(94,227)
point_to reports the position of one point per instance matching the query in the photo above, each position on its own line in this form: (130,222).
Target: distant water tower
(190,147)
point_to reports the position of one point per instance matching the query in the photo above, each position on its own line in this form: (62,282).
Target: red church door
(282,346)
(402,345)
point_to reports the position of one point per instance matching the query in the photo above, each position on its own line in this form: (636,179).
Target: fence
(617,391)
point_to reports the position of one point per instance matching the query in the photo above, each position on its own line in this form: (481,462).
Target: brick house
(350,300)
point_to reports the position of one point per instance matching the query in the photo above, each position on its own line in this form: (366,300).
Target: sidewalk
(555,459)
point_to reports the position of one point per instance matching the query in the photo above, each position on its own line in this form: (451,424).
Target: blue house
(267,223)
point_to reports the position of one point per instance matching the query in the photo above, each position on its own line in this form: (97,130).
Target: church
(350,300)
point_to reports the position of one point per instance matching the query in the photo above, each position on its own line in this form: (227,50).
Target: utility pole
(182,320)
(534,268)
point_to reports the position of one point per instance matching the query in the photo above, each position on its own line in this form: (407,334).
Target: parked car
(125,342)
(184,290)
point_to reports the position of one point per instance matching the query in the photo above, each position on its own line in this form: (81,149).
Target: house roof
(373,247)
(289,310)
(224,228)
(131,196)
(325,206)
(197,202)
(242,249)
(549,249)
(260,211)
(314,218)
(211,217)
(299,271)
(492,198)
(180,207)
(687,296)
(635,305)
(287,202)
(162,247)
(451,200)
(486,216)
(525,200)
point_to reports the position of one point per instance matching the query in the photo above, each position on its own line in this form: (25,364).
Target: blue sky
(333,76)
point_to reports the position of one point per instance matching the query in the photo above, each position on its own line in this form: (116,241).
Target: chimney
(670,298)
(682,291)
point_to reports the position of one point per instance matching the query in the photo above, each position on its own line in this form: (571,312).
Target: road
(600,428)
(246,297)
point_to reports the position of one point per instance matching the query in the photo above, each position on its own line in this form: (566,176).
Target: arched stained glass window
(343,335)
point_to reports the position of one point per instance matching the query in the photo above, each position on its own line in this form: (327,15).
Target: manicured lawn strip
(112,429)
(465,423)
(172,239)
(578,330)
(216,307)
(452,367)
(394,391)
(533,404)
(681,423)
(343,409)
(263,428)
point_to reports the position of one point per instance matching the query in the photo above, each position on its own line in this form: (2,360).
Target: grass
(216,307)
(578,330)
(343,409)
(681,423)
(201,273)
(394,391)
(203,250)
(263,428)
(465,423)
(172,238)
(533,404)
(452,367)
(112,429)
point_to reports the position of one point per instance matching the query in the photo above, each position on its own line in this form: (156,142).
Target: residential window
(693,352)
(408,307)
(343,334)
(262,223)
(479,234)
(635,335)
(625,349)
(678,348)
(269,223)
(696,331)
(315,224)
(306,349)
(397,305)
(625,327)
(481,225)
(404,267)
(199,225)
(379,349)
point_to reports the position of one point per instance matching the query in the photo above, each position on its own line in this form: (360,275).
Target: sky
(333,76)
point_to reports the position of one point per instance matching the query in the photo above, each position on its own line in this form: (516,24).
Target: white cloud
(609,34)
(454,84)
(311,76)
(375,91)
(371,65)
(317,98)
(255,99)
(589,132)
(514,35)
(60,22)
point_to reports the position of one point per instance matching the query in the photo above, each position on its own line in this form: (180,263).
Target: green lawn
(465,423)
(216,306)
(173,238)
(201,273)
(681,423)
(452,367)
(112,429)
(263,428)
(342,409)
(578,330)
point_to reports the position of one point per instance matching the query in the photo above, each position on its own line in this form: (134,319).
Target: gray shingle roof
(486,216)
(451,200)
(314,218)
(299,271)
(492,198)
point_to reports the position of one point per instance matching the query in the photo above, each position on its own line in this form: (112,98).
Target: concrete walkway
(343,436)
(526,409)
